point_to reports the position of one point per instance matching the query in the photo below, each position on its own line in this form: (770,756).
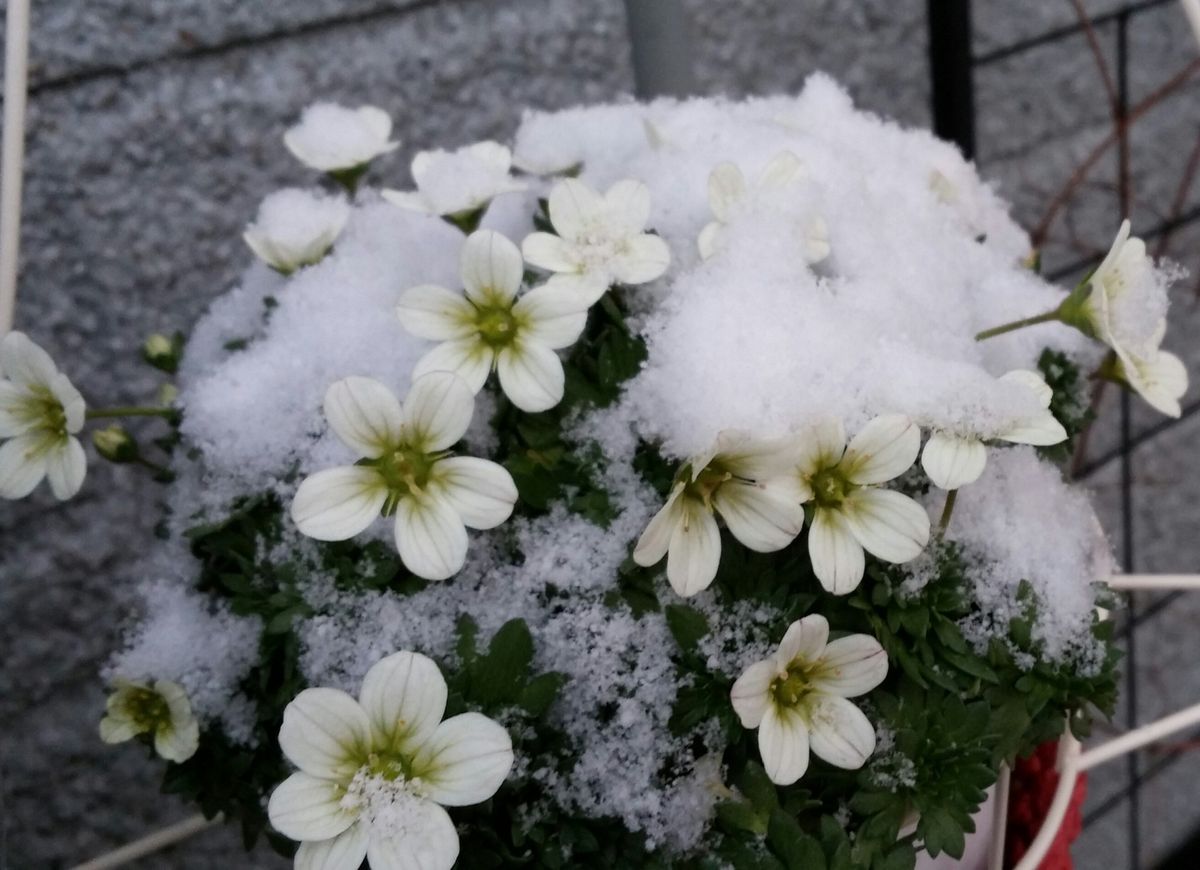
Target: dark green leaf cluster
(1071,404)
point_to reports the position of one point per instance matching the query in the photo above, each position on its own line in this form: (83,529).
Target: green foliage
(1071,404)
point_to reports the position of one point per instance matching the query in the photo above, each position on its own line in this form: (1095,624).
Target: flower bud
(168,394)
(115,444)
(162,352)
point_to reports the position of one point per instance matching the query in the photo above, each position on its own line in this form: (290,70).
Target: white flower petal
(72,402)
(23,361)
(115,729)
(437,411)
(178,743)
(851,666)
(643,258)
(492,268)
(344,852)
(551,315)
(465,761)
(710,239)
(404,695)
(365,415)
(815,240)
(1042,431)
(550,252)
(763,518)
(585,289)
(695,550)
(656,539)
(884,449)
(469,358)
(784,168)
(726,188)
(410,200)
(433,312)
(338,503)
(494,155)
(22,466)
(783,744)
(304,807)
(952,461)
(754,458)
(431,537)
(751,693)
(325,733)
(573,205)
(803,642)
(482,492)
(628,205)
(837,557)
(13,418)
(1033,382)
(531,375)
(1161,381)
(840,733)
(820,446)
(429,842)
(66,467)
(888,524)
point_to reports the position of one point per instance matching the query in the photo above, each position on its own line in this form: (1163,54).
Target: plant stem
(1017,324)
(160,470)
(951,498)
(129,411)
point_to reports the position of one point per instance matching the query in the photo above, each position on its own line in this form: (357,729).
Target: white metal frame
(1072,758)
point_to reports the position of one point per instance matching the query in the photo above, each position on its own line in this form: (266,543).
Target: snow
(923,256)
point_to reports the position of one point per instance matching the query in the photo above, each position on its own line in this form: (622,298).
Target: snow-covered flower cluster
(752,449)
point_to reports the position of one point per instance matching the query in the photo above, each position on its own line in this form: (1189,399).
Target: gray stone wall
(154,131)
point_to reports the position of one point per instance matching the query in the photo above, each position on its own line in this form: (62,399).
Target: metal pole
(16,54)
(662,48)
(950,69)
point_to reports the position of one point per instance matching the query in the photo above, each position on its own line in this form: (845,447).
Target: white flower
(295,228)
(406,470)
(954,459)
(161,710)
(488,326)
(1124,305)
(333,138)
(740,479)
(375,773)
(458,184)
(40,414)
(797,699)
(601,238)
(1159,377)
(850,513)
(727,192)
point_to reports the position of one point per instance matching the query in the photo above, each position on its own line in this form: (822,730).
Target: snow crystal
(1027,525)
(200,644)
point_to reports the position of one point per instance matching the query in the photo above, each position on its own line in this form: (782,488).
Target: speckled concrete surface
(154,131)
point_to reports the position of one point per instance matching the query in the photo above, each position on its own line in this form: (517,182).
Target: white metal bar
(1000,819)
(1068,774)
(1139,737)
(16,61)
(1145,582)
(150,844)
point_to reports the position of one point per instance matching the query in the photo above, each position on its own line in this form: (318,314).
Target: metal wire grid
(952,65)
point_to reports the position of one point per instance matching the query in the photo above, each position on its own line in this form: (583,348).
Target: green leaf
(687,625)
(797,850)
(540,692)
(735,815)
(498,677)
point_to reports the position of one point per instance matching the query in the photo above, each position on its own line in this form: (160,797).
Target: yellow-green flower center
(146,708)
(830,487)
(497,326)
(790,690)
(706,484)
(388,765)
(405,471)
(42,410)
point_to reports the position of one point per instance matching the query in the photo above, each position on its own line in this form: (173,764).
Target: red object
(1034,780)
